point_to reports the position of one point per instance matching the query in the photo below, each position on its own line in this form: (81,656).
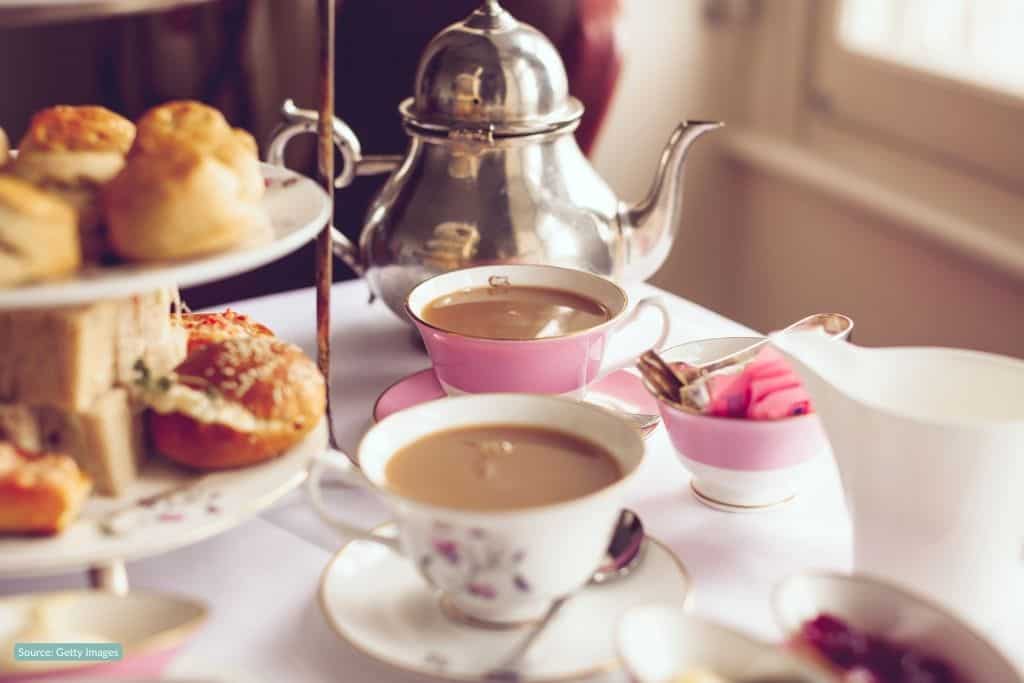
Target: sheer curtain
(977,41)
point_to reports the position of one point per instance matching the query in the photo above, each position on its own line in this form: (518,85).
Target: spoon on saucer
(624,553)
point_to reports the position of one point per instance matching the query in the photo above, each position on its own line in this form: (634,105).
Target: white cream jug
(929,443)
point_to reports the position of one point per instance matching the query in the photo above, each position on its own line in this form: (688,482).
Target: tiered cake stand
(167,508)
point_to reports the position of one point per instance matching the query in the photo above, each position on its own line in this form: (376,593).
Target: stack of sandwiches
(66,378)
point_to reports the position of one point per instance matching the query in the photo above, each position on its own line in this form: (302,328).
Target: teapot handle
(298,121)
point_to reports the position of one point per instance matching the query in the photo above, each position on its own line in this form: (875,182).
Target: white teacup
(492,566)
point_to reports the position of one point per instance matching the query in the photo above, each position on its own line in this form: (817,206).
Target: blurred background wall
(865,168)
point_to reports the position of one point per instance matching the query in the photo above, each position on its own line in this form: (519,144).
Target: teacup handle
(658,304)
(340,464)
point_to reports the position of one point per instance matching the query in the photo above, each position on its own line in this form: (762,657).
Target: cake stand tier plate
(166,508)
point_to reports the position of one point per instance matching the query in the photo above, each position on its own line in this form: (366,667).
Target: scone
(207,328)
(187,122)
(5,149)
(38,234)
(176,202)
(40,493)
(235,403)
(73,151)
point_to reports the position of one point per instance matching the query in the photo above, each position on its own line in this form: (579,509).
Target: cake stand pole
(325,171)
(111,577)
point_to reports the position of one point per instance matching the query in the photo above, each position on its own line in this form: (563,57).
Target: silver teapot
(493,173)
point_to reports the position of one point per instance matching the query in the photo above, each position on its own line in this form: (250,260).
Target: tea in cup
(524,328)
(503,502)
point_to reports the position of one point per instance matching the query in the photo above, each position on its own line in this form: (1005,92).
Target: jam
(865,658)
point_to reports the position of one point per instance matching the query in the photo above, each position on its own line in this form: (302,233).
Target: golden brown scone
(67,128)
(5,148)
(181,121)
(176,202)
(72,151)
(186,122)
(40,493)
(38,234)
(207,328)
(236,402)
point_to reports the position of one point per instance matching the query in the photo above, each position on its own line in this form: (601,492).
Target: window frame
(955,123)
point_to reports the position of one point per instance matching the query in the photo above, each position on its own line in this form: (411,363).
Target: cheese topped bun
(206,328)
(235,403)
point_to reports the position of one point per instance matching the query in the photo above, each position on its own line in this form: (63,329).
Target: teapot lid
(492,74)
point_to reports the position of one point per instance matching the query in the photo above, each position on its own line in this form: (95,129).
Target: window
(973,41)
(943,77)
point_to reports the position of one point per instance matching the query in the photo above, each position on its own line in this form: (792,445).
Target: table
(261,579)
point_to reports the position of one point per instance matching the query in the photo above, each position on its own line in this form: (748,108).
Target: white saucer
(377,602)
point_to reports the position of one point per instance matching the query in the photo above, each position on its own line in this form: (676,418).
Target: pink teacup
(739,464)
(564,364)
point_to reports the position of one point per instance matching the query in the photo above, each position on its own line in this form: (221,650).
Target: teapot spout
(650,226)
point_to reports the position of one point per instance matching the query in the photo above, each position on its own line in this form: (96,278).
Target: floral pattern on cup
(471,558)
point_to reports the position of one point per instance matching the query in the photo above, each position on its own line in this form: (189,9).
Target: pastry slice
(105,441)
(40,493)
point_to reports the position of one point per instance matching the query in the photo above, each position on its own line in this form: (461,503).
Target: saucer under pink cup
(554,365)
(736,463)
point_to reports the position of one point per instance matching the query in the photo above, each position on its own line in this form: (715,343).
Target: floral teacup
(565,364)
(492,566)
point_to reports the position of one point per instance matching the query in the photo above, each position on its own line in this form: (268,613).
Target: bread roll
(195,124)
(40,493)
(72,151)
(235,403)
(175,202)
(38,234)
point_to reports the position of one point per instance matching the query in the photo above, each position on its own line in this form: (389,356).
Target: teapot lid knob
(491,71)
(491,7)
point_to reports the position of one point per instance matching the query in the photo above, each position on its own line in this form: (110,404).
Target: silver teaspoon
(694,393)
(624,553)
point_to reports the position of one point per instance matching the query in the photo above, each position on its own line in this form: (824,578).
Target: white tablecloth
(261,579)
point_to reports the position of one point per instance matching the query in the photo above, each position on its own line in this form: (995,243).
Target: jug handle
(298,121)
